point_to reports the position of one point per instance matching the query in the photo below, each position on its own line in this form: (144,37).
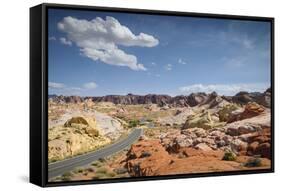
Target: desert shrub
(102,160)
(66,176)
(90,169)
(229,156)
(54,159)
(101,170)
(99,176)
(225,112)
(133,123)
(92,132)
(111,174)
(58,137)
(77,131)
(121,170)
(253,162)
(78,170)
(96,163)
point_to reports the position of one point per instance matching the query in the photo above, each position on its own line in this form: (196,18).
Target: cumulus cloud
(65,41)
(224,89)
(98,39)
(55,85)
(168,67)
(90,85)
(181,61)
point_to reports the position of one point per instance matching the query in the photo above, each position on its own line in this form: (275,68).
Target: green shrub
(67,174)
(101,170)
(225,112)
(110,174)
(102,160)
(253,162)
(96,163)
(229,156)
(78,170)
(99,176)
(133,123)
(65,178)
(121,170)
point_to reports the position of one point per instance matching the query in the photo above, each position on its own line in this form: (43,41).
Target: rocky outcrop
(234,136)
(204,120)
(149,158)
(146,157)
(78,135)
(251,109)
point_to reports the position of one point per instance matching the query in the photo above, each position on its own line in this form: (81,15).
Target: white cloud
(62,89)
(90,85)
(52,38)
(236,38)
(55,85)
(225,89)
(98,39)
(153,63)
(181,61)
(65,41)
(236,62)
(168,67)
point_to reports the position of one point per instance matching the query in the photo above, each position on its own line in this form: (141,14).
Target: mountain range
(181,100)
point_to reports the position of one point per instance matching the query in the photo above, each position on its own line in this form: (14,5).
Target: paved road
(60,167)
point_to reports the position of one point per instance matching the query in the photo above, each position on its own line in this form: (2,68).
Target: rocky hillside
(192,100)
(77,135)
(233,140)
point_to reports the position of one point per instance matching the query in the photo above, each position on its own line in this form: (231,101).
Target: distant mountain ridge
(181,100)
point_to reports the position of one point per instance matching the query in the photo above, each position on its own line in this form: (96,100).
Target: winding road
(60,167)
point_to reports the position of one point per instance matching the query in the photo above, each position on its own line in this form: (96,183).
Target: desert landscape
(138,95)
(179,135)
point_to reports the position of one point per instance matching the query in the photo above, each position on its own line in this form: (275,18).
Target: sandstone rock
(76,120)
(78,135)
(180,142)
(264,150)
(237,145)
(138,165)
(203,147)
(252,109)
(198,132)
(242,129)
(252,148)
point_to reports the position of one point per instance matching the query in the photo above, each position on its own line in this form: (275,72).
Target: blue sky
(101,53)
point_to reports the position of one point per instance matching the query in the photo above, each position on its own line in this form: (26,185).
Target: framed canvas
(121,95)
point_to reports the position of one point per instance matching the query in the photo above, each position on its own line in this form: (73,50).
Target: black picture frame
(39,93)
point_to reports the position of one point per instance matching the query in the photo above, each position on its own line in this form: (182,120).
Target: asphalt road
(60,167)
